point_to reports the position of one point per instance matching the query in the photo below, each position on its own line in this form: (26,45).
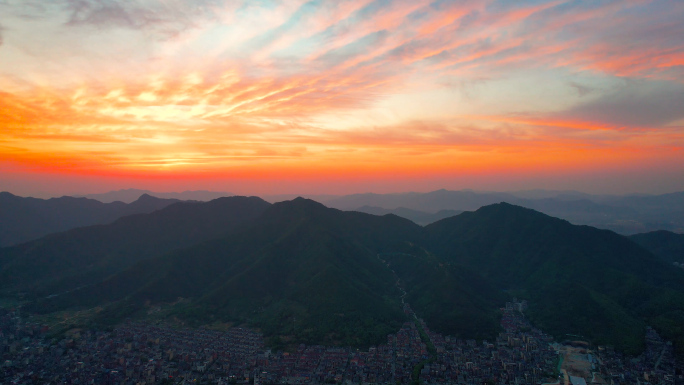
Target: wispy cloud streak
(212,84)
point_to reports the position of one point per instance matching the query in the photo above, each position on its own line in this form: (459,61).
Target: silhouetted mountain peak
(147,198)
(502,206)
(505,209)
(149,203)
(301,204)
(301,200)
(297,209)
(502,219)
(236,198)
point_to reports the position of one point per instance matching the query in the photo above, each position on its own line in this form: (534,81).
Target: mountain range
(303,272)
(63,261)
(419,217)
(24,219)
(131,194)
(627,215)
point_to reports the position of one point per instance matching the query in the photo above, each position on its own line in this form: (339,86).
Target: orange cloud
(202,103)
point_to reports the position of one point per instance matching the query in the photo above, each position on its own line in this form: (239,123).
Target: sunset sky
(341,96)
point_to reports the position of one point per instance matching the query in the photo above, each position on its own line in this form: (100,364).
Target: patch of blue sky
(371,10)
(306,10)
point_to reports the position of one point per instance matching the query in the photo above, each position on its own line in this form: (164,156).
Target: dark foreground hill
(302,272)
(86,255)
(581,280)
(23,219)
(667,245)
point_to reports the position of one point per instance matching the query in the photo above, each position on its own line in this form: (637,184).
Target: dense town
(140,353)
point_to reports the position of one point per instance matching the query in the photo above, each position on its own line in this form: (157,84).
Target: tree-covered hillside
(302,272)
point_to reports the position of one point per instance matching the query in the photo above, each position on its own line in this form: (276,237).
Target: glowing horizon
(341,96)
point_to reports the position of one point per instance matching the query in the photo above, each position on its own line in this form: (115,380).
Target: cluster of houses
(521,354)
(656,365)
(134,353)
(140,353)
(389,363)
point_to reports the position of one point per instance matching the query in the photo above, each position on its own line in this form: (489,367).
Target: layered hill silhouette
(24,219)
(419,217)
(628,214)
(302,272)
(131,194)
(82,256)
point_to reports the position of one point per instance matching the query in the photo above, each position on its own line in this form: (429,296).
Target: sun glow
(345,90)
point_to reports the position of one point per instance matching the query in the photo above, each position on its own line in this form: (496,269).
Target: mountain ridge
(301,271)
(24,219)
(301,260)
(130,195)
(558,265)
(75,257)
(628,214)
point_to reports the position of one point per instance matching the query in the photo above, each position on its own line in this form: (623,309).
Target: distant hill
(23,219)
(419,217)
(321,198)
(545,194)
(623,214)
(427,202)
(672,201)
(665,244)
(655,212)
(64,261)
(130,195)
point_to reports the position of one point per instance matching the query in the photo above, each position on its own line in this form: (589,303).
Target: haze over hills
(303,272)
(629,214)
(418,217)
(131,194)
(23,219)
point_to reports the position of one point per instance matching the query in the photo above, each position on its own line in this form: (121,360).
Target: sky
(341,96)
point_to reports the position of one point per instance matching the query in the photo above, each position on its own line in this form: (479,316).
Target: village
(140,353)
